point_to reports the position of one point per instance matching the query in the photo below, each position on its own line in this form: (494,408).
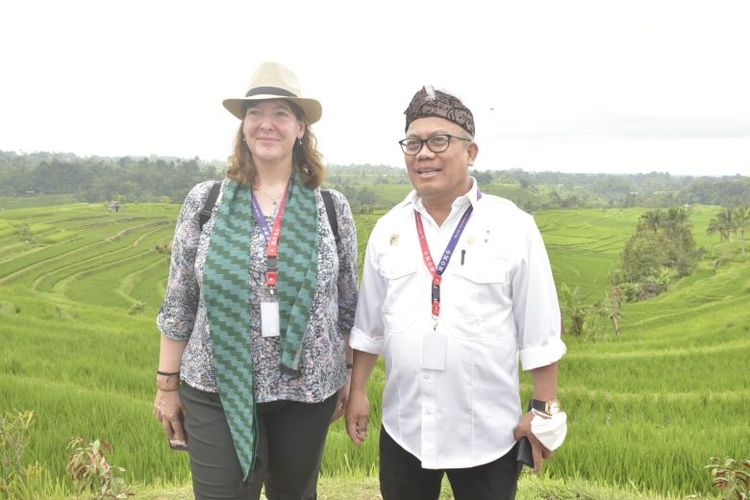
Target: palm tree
(573,303)
(742,223)
(652,219)
(676,221)
(678,216)
(723,224)
(612,307)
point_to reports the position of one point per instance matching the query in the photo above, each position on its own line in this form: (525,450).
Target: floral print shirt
(183,313)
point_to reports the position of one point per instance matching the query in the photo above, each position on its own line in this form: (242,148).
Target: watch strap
(543,406)
(538,405)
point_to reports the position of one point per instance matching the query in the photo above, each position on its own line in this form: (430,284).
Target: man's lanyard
(437,271)
(272,236)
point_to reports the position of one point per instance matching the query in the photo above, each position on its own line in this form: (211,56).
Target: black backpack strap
(331,212)
(205,212)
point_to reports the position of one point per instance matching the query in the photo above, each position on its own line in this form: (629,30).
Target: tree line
(132,178)
(97,179)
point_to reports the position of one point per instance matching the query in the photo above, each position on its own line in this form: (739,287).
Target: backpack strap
(205,212)
(331,212)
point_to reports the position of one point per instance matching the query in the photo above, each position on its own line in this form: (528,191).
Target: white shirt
(498,301)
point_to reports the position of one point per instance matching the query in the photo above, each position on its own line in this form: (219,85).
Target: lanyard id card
(269,319)
(433,351)
(269,309)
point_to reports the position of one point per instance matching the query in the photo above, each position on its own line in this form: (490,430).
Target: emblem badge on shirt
(394,239)
(433,351)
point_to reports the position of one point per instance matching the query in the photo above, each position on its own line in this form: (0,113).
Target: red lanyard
(272,236)
(437,271)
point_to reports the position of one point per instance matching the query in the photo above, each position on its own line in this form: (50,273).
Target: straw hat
(273,81)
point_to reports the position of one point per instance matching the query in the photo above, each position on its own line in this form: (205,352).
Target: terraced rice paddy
(646,409)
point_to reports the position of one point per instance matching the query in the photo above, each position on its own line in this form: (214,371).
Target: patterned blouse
(183,314)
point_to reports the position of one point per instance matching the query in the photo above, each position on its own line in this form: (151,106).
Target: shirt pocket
(398,323)
(399,271)
(482,274)
(484,271)
(481,298)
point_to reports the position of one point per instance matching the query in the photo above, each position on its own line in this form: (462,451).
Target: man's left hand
(538,451)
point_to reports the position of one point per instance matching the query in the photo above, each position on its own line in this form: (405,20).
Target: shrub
(731,477)
(165,248)
(25,234)
(89,469)
(16,479)
(137,308)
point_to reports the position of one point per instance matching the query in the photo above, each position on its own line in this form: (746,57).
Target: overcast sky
(571,86)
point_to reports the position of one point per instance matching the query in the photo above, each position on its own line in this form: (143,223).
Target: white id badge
(433,351)
(269,319)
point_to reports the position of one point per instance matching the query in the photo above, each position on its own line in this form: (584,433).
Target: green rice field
(647,409)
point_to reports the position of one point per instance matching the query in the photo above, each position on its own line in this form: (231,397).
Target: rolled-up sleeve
(367,334)
(177,314)
(535,306)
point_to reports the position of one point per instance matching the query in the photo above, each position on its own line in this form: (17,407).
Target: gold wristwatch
(549,407)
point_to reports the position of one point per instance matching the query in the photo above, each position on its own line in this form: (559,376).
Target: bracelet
(167,387)
(349,366)
(167,374)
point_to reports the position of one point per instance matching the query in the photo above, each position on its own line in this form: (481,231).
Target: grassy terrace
(646,410)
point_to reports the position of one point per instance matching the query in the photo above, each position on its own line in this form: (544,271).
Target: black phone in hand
(178,444)
(524,452)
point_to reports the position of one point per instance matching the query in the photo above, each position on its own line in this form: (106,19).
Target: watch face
(552,407)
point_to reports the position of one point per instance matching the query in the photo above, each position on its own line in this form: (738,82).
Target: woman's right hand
(169,411)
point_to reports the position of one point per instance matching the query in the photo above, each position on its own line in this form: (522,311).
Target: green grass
(13,202)
(646,409)
(345,487)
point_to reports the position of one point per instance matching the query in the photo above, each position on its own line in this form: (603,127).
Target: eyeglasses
(435,143)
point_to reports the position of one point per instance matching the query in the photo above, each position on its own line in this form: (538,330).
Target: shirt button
(427,377)
(427,412)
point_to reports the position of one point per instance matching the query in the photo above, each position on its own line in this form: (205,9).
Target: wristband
(168,388)
(349,366)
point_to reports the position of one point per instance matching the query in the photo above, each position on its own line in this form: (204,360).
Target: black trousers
(403,478)
(291,439)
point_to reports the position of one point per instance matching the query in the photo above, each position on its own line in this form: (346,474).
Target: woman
(254,355)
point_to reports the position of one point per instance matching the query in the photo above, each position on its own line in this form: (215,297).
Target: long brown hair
(306,159)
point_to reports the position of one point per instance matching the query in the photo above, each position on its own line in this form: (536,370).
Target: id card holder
(269,319)
(434,346)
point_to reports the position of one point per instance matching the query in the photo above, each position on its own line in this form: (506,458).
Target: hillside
(647,410)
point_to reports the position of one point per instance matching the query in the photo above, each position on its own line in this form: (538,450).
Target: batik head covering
(429,101)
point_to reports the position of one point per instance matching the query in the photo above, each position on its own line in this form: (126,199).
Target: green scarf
(227,295)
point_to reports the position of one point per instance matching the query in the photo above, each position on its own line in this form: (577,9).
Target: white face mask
(550,431)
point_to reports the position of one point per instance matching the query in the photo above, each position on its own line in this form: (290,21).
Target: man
(456,285)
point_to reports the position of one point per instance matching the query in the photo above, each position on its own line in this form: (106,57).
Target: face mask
(550,431)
